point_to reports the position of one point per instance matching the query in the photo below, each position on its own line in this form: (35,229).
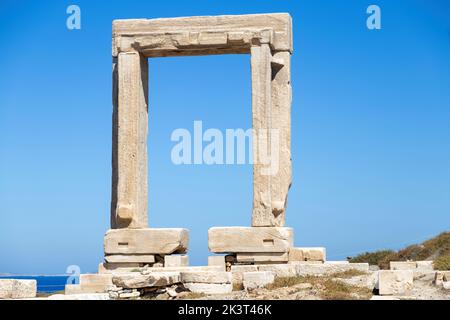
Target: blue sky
(370,128)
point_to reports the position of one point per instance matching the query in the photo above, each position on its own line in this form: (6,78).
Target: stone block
(72,289)
(209,288)
(402,265)
(217,261)
(237,272)
(181,269)
(279,270)
(80,296)
(425,265)
(201,35)
(17,289)
(146,241)
(95,283)
(307,254)
(131,258)
(259,279)
(395,282)
(153,279)
(305,262)
(128,295)
(277,257)
(206,277)
(105,267)
(250,239)
(176,260)
(441,277)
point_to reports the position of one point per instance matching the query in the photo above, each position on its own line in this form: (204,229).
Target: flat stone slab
(425,265)
(217,261)
(259,279)
(130,258)
(176,260)
(206,277)
(297,269)
(17,289)
(209,288)
(106,267)
(307,254)
(402,265)
(81,296)
(146,241)
(90,283)
(262,257)
(182,269)
(154,279)
(441,276)
(395,282)
(250,239)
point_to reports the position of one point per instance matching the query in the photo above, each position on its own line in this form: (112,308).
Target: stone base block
(425,265)
(72,289)
(118,267)
(176,261)
(17,289)
(183,269)
(395,282)
(217,261)
(93,283)
(261,258)
(307,254)
(280,270)
(237,272)
(209,288)
(441,277)
(80,296)
(296,269)
(259,279)
(206,277)
(131,258)
(250,239)
(402,265)
(147,241)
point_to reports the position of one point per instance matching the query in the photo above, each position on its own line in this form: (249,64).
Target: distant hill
(436,249)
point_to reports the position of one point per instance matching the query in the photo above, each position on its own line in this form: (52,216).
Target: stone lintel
(202,35)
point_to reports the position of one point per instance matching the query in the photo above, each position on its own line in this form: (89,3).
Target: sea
(45,283)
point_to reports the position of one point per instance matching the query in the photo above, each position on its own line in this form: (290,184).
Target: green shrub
(378,258)
(442,263)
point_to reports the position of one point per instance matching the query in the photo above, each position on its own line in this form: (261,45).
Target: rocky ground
(343,286)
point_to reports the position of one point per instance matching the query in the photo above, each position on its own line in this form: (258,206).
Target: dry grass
(348,274)
(337,290)
(283,282)
(328,288)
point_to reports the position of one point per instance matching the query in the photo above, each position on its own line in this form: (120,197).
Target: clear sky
(370,128)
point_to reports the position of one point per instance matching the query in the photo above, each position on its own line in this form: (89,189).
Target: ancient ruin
(268,40)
